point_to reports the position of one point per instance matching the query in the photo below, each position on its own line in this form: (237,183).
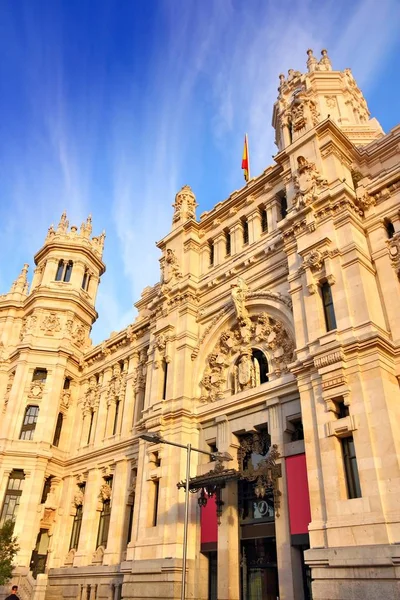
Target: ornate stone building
(273,335)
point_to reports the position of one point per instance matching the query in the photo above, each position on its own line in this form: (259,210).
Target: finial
(63,224)
(325,63)
(312,62)
(185,204)
(21,283)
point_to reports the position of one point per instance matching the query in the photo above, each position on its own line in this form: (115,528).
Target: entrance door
(39,555)
(259,570)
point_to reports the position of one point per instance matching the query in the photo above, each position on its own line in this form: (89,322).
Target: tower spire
(21,283)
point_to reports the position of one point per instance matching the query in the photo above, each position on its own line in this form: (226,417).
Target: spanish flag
(246,160)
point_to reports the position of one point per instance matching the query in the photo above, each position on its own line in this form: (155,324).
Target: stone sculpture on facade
(51,324)
(308,183)
(170,270)
(235,353)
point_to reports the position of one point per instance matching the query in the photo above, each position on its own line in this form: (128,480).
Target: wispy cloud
(116,126)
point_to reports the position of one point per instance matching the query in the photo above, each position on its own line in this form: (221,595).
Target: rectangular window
(67,383)
(350,468)
(116,417)
(12,497)
(264,220)
(104,523)
(227,243)
(57,433)
(211,248)
(156,491)
(283,202)
(131,510)
(245,226)
(165,377)
(329,310)
(90,426)
(46,489)
(29,424)
(68,272)
(76,528)
(60,270)
(39,375)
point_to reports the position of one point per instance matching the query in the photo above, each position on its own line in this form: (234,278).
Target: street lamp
(155,438)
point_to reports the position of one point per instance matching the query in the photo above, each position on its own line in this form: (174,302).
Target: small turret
(305,100)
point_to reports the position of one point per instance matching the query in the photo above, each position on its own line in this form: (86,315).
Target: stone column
(85,427)
(254,221)
(93,287)
(273,214)
(90,520)
(112,554)
(282,527)
(228,545)
(236,232)
(78,271)
(129,402)
(205,259)
(50,271)
(219,248)
(27,522)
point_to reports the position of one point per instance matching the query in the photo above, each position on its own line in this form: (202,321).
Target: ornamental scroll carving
(267,333)
(394,252)
(28,325)
(51,324)
(308,183)
(76,332)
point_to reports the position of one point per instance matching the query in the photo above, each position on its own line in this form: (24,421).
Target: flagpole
(248,157)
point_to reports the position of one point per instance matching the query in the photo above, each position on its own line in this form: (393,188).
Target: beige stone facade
(276,322)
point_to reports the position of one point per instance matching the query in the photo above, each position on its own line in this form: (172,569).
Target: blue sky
(110,106)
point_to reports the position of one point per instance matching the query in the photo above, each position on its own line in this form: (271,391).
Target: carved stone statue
(308,183)
(325,63)
(245,373)
(170,268)
(239,291)
(312,62)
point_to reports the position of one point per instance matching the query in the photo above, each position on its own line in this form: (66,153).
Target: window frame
(12,492)
(27,426)
(58,430)
(353,485)
(328,306)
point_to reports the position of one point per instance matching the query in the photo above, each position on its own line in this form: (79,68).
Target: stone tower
(43,334)
(306,99)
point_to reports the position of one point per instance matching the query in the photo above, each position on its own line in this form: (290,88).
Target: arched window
(86,280)
(64,271)
(261,364)
(29,423)
(68,271)
(60,270)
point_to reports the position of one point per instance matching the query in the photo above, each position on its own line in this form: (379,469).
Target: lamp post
(154,438)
